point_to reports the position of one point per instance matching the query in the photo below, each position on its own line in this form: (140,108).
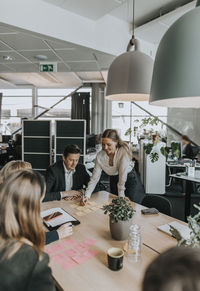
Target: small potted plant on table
(121,213)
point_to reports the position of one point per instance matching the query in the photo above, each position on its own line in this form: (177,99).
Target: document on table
(64,218)
(184,230)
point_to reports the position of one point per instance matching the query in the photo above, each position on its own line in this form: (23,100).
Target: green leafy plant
(119,209)
(194,225)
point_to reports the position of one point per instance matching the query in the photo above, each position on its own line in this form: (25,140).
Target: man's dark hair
(175,269)
(71,149)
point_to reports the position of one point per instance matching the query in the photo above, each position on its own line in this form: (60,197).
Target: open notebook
(184,230)
(55,217)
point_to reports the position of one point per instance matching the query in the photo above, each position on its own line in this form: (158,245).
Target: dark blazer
(55,180)
(188,152)
(25,272)
(51,236)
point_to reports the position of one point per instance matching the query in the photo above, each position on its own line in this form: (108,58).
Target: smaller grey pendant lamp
(130,74)
(176,74)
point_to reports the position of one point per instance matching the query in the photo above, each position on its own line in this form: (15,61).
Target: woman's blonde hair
(12,167)
(20,219)
(113,134)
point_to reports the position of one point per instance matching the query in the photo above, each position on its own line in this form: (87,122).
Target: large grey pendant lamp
(130,74)
(176,74)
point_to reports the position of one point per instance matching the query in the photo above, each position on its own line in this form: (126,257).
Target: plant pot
(120,230)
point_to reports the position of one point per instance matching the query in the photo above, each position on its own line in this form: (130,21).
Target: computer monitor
(90,141)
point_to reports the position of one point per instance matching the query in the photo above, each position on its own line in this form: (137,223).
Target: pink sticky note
(81,247)
(71,252)
(58,258)
(56,248)
(80,259)
(90,241)
(69,241)
(68,264)
(90,253)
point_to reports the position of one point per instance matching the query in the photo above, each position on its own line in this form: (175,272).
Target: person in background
(13,166)
(177,269)
(23,264)
(66,178)
(187,148)
(115,159)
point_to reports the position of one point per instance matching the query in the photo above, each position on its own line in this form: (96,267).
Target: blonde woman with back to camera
(23,264)
(51,236)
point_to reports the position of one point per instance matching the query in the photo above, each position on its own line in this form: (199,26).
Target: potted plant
(194,225)
(121,213)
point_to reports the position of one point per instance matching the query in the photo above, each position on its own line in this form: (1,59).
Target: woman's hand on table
(83,201)
(65,230)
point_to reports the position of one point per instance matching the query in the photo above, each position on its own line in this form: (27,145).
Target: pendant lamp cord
(198,3)
(132,40)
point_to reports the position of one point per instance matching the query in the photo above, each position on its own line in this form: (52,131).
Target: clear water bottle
(134,243)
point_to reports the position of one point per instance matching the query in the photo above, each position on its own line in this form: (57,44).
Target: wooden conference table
(94,274)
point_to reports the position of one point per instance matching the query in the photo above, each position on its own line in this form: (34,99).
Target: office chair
(161,203)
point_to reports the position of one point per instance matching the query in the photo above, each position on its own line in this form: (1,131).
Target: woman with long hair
(50,236)
(115,159)
(23,264)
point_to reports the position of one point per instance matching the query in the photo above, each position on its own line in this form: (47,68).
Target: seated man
(66,177)
(177,269)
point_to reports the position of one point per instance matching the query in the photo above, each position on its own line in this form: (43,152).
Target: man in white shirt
(66,177)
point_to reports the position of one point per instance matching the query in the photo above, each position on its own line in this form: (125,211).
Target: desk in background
(188,189)
(94,274)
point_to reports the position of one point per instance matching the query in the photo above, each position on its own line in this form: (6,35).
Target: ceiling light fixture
(8,58)
(175,81)
(41,57)
(130,74)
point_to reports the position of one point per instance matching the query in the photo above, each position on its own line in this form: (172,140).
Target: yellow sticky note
(87,210)
(80,213)
(73,205)
(92,203)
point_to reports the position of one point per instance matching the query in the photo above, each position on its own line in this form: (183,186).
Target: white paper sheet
(58,220)
(184,230)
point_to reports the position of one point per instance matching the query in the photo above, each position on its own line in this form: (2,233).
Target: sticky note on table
(80,259)
(92,203)
(80,213)
(73,205)
(89,241)
(68,264)
(54,248)
(81,247)
(69,241)
(90,253)
(87,210)
(71,252)
(58,258)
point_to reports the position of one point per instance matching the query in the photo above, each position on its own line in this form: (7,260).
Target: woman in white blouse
(115,159)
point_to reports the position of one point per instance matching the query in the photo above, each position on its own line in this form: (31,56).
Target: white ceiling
(78,64)
(92,9)
(75,64)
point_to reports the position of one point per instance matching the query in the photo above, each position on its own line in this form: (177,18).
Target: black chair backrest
(159,202)
(195,150)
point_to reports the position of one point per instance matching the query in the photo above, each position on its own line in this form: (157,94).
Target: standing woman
(115,159)
(23,264)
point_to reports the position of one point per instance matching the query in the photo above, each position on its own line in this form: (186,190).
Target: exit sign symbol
(46,68)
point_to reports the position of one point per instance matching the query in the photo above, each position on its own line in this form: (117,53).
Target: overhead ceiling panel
(15,57)
(51,57)
(22,67)
(83,66)
(61,45)
(4,47)
(76,55)
(23,41)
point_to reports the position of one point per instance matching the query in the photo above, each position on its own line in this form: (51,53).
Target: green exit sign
(46,68)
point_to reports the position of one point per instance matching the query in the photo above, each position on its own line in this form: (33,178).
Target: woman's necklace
(111,160)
